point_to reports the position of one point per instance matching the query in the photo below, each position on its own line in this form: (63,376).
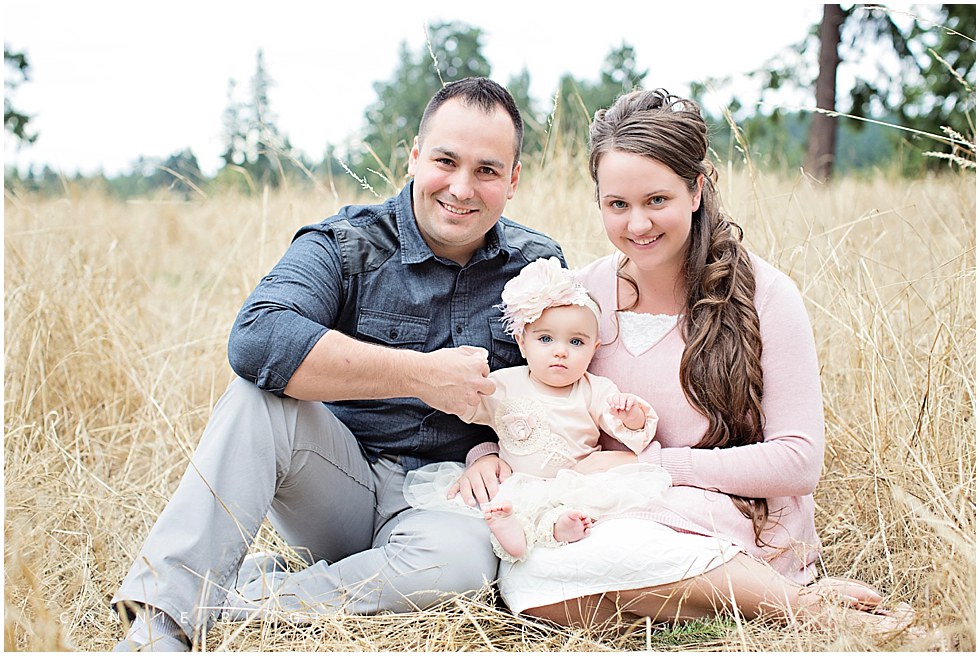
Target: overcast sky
(111,80)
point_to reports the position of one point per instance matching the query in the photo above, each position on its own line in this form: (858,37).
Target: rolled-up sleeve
(287,313)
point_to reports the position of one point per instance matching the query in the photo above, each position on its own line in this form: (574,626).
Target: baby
(548,416)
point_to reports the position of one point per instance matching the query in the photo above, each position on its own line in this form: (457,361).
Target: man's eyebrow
(445,151)
(493,163)
(452,154)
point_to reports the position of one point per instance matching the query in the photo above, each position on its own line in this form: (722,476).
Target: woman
(720,343)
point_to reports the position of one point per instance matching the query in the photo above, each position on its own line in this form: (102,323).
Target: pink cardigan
(784,468)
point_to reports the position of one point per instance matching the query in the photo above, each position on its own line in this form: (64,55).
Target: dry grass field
(115,324)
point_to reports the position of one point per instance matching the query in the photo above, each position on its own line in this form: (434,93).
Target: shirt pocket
(391,329)
(504,351)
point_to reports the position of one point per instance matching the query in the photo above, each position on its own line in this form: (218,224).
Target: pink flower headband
(540,285)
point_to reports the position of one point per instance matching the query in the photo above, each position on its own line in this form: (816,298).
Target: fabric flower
(540,285)
(521,426)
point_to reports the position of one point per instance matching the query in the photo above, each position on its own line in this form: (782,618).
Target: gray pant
(296,463)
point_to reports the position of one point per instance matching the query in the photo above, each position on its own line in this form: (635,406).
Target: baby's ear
(519,338)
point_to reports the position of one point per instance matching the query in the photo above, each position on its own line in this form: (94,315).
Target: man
(374,327)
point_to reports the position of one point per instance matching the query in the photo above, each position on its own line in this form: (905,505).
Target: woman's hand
(601,461)
(481,480)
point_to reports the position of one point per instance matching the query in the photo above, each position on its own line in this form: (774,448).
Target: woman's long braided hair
(721,370)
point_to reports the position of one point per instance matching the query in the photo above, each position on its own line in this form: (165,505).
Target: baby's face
(559,346)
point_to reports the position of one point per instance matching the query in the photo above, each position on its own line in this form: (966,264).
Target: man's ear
(413,157)
(515,177)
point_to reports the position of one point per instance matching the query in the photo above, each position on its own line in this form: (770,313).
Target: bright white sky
(114,79)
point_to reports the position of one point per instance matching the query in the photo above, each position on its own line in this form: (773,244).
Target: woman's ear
(696,198)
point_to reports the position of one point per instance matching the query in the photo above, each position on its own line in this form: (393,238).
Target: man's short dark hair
(483,93)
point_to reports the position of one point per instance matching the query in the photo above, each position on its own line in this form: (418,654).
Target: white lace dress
(598,563)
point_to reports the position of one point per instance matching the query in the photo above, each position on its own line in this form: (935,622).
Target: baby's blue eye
(577,342)
(545,338)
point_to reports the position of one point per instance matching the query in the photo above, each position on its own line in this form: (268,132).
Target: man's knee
(240,393)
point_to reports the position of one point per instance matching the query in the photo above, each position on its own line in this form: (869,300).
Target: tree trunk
(822,141)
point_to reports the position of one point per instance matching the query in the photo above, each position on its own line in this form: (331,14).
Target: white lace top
(639,331)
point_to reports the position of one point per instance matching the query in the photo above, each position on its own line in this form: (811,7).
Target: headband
(540,285)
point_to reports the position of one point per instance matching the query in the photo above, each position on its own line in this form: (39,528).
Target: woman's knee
(557,613)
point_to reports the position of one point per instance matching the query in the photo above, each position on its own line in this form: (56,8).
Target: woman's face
(646,210)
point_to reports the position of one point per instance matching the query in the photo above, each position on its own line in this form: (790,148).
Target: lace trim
(639,331)
(529,539)
(540,533)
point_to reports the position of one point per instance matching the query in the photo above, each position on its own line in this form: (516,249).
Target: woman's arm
(789,460)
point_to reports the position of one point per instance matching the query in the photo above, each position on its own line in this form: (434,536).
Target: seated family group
(428,400)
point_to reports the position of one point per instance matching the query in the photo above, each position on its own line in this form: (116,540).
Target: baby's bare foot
(506,528)
(494,510)
(572,526)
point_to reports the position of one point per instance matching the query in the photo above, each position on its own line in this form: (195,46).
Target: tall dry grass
(116,316)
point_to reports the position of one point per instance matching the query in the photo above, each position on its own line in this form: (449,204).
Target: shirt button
(459,329)
(393,334)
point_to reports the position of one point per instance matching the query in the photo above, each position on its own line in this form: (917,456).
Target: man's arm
(339,367)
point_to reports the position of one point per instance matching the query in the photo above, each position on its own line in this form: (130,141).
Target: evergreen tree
(178,173)
(578,100)
(254,145)
(454,52)
(946,100)
(921,76)
(822,141)
(535,129)
(233,129)
(15,121)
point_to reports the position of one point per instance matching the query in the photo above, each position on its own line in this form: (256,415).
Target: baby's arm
(624,407)
(625,417)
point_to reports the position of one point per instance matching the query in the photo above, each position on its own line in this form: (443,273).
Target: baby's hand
(627,410)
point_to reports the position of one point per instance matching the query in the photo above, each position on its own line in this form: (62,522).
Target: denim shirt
(368,273)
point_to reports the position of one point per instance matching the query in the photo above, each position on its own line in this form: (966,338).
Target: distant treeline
(884,121)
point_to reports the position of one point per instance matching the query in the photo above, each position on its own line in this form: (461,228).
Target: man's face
(464,175)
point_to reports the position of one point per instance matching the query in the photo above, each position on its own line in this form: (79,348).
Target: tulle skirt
(598,495)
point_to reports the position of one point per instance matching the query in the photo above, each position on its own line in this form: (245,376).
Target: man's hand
(481,480)
(454,379)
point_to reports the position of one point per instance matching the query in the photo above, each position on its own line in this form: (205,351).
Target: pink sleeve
(483,414)
(789,460)
(480,450)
